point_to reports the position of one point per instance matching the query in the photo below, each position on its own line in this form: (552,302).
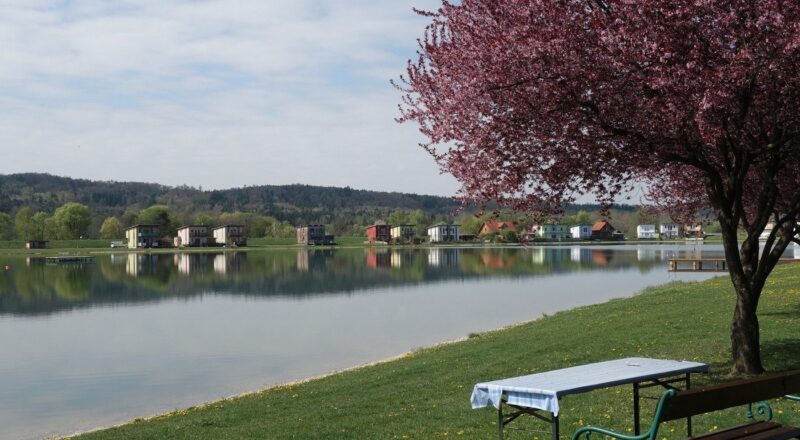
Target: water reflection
(32,287)
(262,318)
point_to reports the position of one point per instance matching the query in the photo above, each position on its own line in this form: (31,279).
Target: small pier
(69,259)
(706,264)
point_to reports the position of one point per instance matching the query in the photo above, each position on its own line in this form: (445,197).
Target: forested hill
(294,203)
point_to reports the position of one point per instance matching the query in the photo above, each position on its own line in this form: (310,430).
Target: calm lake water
(132,335)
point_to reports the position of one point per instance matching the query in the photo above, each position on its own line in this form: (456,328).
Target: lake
(133,335)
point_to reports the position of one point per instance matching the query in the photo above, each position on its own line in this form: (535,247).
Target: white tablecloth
(542,390)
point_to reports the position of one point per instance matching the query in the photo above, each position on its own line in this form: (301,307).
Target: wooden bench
(675,405)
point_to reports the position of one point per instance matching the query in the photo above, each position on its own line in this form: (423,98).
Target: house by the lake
(230,235)
(143,236)
(646,232)
(379,232)
(693,230)
(444,233)
(403,232)
(581,232)
(313,235)
(192,235)
(550,232)
(602,230)
(669,231)
(36,244)
(496,227)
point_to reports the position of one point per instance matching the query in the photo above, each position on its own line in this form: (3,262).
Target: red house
(379,232)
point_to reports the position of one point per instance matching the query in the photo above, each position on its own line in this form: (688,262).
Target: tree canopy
(531,103)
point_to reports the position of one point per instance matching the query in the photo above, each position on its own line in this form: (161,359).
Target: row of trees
(74,221)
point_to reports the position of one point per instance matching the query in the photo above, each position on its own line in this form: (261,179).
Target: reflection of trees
(71,283)
(138,277)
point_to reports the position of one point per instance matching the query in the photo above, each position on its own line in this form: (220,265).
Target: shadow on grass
(781,354)
(794,312)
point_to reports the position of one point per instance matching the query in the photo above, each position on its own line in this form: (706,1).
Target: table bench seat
(675,405)
(752,431)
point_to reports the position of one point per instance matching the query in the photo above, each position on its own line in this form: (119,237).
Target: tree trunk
(742,264)
(745,346)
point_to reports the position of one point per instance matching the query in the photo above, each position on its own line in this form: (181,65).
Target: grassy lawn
(426,394)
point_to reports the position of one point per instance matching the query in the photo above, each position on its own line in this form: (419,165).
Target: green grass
(426,394)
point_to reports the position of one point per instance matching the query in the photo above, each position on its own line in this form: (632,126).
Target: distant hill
(294,203)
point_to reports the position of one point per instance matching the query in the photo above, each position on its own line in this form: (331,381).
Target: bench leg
(636,427)
(688,419)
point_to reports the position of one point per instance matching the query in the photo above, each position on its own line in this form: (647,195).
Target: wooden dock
(69,259)
(706,264)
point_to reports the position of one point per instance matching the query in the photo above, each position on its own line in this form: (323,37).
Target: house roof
(495,226)
(228,226)
(192,226)
(599,226)
(442,224)
(141,226)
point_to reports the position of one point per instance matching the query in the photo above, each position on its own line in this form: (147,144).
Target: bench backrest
(731,394)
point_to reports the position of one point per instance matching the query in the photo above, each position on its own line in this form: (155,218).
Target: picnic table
(538,394)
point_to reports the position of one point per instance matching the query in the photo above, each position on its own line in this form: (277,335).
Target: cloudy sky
(212,93)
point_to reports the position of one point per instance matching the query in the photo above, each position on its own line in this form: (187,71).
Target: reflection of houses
(139,264)
(183,263)
(228,262)
(496,227)
(603,230)
(581,232)
(693,230)
(189,263)
(646,232)
(444,233)
(796,250)
(670,231)
(192,235)
(551,232)
(601,257)
(579,254)
(313,235)
(495,260)
(36,244)
(403,232)
(401,258)
(312,260)
(379,232)
(230,235)
(438,257)
(646,253)
(378,258)
(142,236)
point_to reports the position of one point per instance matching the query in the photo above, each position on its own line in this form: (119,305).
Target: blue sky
(212,93)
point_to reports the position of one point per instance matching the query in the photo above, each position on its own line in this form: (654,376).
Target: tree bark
(745,336)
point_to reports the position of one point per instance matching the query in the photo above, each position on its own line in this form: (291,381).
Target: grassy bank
(426,394)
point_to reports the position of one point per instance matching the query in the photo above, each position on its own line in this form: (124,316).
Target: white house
(230,235)
(581,232)
(646,232)
(444,232)
(670,231)
(403,232)
(192,235)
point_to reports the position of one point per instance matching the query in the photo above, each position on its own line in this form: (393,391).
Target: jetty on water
(706,264)
(69,259)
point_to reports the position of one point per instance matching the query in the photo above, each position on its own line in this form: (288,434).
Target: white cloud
(212,93)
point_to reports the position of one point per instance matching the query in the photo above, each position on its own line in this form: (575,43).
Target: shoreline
(284,247)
